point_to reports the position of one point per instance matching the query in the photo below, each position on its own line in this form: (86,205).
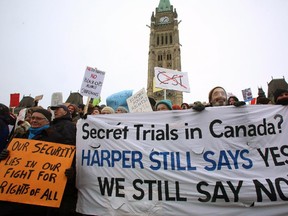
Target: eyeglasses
(38,118)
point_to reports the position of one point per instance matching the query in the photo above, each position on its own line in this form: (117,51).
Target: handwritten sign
(92,83)
(34,172)
(139,102)
(247,94)
(171,79)
(56,98)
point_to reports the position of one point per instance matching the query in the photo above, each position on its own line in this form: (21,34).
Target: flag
(253,101)
(155,89)
(96,101)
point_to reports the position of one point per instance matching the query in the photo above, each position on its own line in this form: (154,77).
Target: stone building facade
(164,49)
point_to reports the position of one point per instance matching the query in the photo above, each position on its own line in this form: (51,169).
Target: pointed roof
(164,5)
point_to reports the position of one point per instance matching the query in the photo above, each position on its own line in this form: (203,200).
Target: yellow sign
(155,89)
(34,172)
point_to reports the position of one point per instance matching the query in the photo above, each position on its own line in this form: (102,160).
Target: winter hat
(176,107)
(165,102)
(185,104)
(211,93)
(277,93)
(59,106)
(122,109)
(44,112)
(234,97)
(4,110)
(5,115)
(108,109)
(81,106)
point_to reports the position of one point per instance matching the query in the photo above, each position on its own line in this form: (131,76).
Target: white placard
(171,79)
(92,83)
(139,102)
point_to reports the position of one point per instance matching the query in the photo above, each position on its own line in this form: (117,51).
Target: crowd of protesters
(58,124)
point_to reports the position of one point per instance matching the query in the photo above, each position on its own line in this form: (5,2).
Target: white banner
(221,161)
(171,79)
(92,83)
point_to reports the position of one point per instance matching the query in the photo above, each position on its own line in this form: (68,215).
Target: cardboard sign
(92,83)
(171,79)
(39,97)
(14,100)
(56,98)
(34,172)
(247,94)
(139,102)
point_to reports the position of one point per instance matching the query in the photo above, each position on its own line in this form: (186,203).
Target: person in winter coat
(63,124)
(41,130)
(4,125)
(281,96)
(232,100)
(73,109)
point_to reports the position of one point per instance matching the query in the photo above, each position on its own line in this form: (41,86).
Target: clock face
(164,20)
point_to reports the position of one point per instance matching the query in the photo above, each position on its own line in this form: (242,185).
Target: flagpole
(86,105)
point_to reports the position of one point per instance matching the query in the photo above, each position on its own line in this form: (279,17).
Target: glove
(239,103)
(4,154)
(198,106)
(69,173)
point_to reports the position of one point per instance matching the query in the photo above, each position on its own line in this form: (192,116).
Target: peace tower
(164,49)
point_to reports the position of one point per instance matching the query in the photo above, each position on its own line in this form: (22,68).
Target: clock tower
(164,49)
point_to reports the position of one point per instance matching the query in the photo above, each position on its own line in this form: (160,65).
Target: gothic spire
(164,5)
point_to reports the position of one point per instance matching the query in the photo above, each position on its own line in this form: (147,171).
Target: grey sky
(45,45)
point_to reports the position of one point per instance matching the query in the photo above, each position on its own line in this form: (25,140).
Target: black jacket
(66,128)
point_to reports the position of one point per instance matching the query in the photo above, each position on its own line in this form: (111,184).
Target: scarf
(35,131)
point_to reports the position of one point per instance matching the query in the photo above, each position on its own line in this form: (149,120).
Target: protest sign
(139,102)
(171,79)
(247,94)
(230,160)
(21,115)
(92,83)
(38,97)
(14,99)
(34,172)
(56,98)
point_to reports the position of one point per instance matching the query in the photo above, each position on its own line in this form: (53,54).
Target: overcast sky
(46,45)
